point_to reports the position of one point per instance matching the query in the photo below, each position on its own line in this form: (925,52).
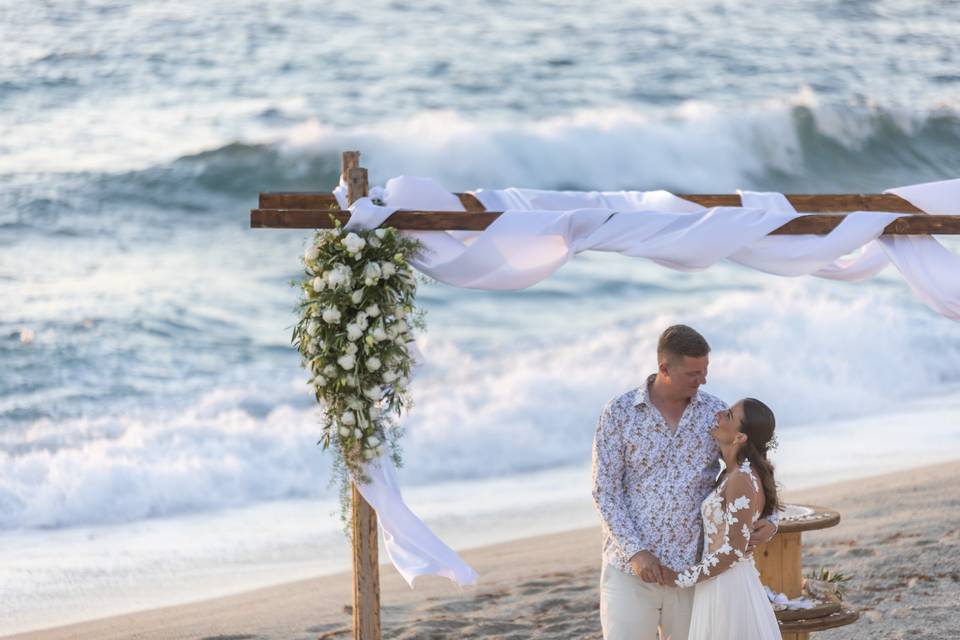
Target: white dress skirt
(729,602)
(733,606)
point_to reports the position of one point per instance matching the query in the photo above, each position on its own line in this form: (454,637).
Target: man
(653,464)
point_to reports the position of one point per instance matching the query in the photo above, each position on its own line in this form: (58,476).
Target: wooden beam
(366,562)
(812,224)
(807,203)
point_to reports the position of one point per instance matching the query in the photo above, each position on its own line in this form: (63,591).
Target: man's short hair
(681,340)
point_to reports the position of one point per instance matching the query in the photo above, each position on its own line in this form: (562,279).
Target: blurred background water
(157,439)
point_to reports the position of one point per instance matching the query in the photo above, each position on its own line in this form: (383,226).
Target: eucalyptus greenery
(356,317)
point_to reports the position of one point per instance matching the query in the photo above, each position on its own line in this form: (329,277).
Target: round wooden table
(780,563)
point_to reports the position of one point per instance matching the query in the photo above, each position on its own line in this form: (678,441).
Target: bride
(729,602)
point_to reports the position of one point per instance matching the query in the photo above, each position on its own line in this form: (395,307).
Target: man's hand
(646,565)
(763,530)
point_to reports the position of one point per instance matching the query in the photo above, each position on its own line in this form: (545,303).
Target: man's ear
(662,369)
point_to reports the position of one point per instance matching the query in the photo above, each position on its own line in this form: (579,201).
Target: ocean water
(157,438)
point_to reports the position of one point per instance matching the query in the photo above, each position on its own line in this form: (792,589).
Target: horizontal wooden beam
(813,224)
(807,203)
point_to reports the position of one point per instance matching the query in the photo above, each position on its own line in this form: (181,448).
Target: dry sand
(899,540)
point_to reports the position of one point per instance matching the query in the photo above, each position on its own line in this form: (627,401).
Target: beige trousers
(631,609)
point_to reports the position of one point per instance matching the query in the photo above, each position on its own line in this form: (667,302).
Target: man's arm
(608,488)
(764,530)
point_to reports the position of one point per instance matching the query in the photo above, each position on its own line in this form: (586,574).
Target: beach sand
(899,540)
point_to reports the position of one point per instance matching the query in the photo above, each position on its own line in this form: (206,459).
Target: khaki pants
(631,609)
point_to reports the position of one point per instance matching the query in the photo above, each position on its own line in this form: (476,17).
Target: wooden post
(780,563)
(366,564)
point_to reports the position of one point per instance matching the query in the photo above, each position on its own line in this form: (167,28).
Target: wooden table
(780,563)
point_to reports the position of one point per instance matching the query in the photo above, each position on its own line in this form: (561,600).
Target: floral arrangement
(356,317)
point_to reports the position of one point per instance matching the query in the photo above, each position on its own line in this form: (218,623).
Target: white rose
(356,296)
(373,441)
(351,380)
(319,381)
(379,334)
(373,242)
(318,284)
(313,327)
(354,332)
(347,361)
(311,253)
(388,269)
(330,370)
(339,276)
(348,419)
(373,311)
(355,403)
(331,315)
(367,454)
(373,364)
(351,349)
(345,432)
(374,413)
(353,243)
(401,326)
(400,313)
(372,272)
(380,233)
(357,434)
(373,392)
(390,375)
(362,321)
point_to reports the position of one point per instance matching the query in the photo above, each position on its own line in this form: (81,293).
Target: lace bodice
(728,513)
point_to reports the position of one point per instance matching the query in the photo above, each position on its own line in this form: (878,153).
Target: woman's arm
(742,500)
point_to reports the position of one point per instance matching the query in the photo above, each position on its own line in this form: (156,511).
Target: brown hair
(681,340)
(758,425)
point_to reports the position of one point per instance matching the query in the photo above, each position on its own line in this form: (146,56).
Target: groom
(654,462)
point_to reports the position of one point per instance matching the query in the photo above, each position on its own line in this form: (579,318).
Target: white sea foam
(815,351)
(696,146)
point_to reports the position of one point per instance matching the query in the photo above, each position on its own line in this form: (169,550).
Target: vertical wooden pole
(366,565)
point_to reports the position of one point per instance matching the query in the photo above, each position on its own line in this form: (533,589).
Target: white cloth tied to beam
(539,231)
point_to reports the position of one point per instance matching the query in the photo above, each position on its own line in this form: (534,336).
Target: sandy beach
(899,540)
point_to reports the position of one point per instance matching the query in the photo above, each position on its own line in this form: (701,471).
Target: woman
(729,602)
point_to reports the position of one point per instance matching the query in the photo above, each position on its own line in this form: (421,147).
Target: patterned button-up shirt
(649,482)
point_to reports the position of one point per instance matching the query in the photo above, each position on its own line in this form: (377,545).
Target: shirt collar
(642,393)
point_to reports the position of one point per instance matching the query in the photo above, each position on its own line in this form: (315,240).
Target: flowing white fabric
(412,547)
(540,231)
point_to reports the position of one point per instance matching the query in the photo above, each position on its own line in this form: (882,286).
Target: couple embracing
(678,535)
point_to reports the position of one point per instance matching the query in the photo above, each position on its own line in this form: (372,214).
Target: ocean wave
(796,144)
(817,352)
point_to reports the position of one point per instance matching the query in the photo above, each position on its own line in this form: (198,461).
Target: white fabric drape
(540,231)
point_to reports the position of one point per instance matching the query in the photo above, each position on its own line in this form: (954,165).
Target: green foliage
(835,577)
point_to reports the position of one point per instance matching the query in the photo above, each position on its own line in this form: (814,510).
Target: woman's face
(727,429)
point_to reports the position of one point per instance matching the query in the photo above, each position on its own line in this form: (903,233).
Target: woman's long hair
(758,425)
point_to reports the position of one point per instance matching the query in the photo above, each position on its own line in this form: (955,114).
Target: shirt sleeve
(741,496)
(608,486)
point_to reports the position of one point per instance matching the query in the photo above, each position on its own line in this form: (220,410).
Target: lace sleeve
(741,497)
(608,489)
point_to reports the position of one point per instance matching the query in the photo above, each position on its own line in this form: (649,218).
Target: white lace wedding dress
(730,602)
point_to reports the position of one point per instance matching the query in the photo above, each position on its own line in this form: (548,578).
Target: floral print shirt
(649,482)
